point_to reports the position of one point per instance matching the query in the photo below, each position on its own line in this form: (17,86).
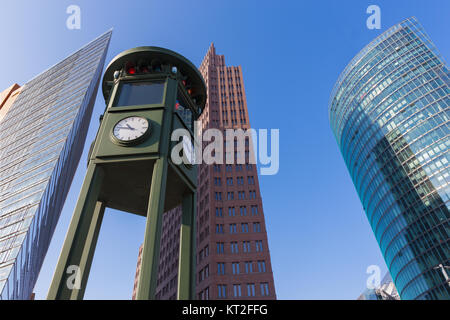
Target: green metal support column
(146,287)
(194,247)
(76,256)
(186,264)
(88,253)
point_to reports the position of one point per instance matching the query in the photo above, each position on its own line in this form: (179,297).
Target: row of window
(237,290)
(232,103)
(234,247)
(237,269)
(230,181)
(230,195)
(242,211)
(239,157)
(229,167)
(233,228)
(235,122)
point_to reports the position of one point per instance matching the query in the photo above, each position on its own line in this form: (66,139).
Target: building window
(203,274)
(234,247)
(204,295)
(235,266)
(254,210)
(246,246)
(264,289)
(220,268)
(220,247)
(221,291)
(218,195)
(248,267)
(261,266)
(203,253)
(244,227)
(230,195)
(243,210)
(256,227)
(233,228)
(259,245)
(219,212)
(219,228)
(237,290)
(231,212)
(250,289)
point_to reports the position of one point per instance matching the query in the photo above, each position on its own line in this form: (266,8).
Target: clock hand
(130,127)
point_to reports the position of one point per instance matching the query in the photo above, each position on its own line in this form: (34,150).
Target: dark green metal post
(88,254)
(80,242)
(186,278)
(194,247)
(146,289)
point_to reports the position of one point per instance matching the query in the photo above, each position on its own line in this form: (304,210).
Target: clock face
(131,129)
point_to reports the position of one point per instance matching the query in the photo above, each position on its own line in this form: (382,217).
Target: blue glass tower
(389,112)
(41,142)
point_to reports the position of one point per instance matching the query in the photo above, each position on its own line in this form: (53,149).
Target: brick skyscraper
(233,259)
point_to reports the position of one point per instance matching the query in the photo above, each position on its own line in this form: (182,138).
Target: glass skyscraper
(389,112)
(41,141)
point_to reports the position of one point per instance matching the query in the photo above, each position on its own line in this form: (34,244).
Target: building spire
(212,49)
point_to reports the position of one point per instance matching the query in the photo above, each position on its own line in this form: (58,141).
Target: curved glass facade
(389,112)
(41,141)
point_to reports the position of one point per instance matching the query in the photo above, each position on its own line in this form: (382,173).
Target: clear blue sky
(292,53)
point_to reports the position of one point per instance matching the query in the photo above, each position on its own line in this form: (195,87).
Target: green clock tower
(149,93)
